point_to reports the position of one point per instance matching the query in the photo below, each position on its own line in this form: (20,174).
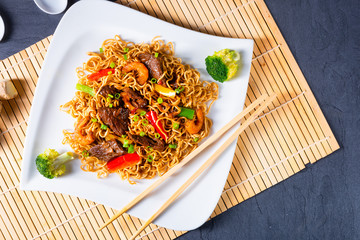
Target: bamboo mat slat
(290,134)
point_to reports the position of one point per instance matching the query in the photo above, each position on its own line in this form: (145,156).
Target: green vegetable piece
(126,49)
(176,125)
(187,112)
(117,95)
(112,64)
(179,89)
(143,113)
(85,153)
(108,99)
(173,146)
(145,122)
(110,96)
(153,80)
(125,57)
(85,89)
(131,148)
(101,50)
(110,105)
(94,120)
(157,135)
(223,64)
(160,100)
(103,127)
(51,164)
(126,143)
(156,54)
(123,136)
(150,158)
(196,139)
(142,134)
(136,118)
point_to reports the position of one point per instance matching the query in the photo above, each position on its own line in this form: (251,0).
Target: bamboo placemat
(290,134)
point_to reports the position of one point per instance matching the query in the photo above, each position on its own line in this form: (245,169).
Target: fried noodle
(197,94)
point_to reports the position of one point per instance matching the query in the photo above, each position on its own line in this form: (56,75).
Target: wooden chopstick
(194,153)
(205,165)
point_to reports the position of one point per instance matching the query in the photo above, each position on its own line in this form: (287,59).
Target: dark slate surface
(320,202)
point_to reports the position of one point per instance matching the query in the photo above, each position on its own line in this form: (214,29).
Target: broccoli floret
(51,164)
(223,64)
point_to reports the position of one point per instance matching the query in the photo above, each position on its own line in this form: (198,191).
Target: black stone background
(323,200)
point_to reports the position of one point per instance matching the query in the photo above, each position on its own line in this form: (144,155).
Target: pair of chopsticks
(264,101)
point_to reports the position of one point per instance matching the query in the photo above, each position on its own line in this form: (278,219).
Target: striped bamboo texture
(290,134)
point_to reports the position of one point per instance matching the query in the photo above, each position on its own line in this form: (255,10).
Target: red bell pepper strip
(101,73)
(153,119)
(161,83)
(134,110)
(123,161)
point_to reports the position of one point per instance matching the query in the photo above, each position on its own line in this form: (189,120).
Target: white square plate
(83,28)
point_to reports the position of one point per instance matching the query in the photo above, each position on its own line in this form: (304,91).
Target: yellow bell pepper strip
(122,139)
(165,91)
(85,89)
(101,73)
(187,112)
(153,119)
(123,161)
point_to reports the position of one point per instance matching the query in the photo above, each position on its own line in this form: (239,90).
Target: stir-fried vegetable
(165,91)
(187,112)
(101,73)
(223,64)
(52,164)
(179,89)
(136,118)
(126,144)
(122,139)
(173,146)
(153,119)
(150,158)
(131,148)
(176,125)
(144,122)
(85,89)
(123,161)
